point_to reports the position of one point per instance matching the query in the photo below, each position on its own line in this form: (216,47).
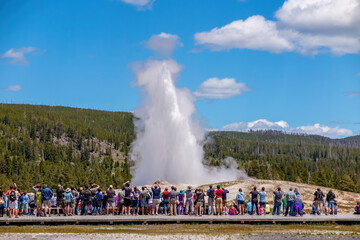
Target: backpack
(211,193)
(319,195)
(12,196)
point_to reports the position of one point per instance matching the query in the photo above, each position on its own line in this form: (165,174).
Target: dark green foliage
(299,158)
(60,145)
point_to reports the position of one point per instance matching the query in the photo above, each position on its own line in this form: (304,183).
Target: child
(181,202)
(249,207)
(357,208)
(24,202)
(233,210)
(284,204)
(267,208)
(315,210)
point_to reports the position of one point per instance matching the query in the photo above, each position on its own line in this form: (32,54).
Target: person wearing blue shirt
(155,188)
(262,195)
(68,201)
(99,200)
(240,199)
(47,194)
(249,206)
(224,198)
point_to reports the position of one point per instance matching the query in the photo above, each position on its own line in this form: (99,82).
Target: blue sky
(266,60)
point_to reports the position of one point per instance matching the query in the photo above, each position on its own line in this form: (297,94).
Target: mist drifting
(169,141)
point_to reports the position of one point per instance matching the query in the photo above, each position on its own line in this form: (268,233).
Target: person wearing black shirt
(86,197)
(60,199)
(254,200)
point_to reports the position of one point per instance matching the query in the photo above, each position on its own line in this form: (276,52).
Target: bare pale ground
(346,200)
(183,231)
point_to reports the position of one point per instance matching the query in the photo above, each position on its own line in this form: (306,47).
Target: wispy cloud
(141,4)
(215,88)
(14,88)
(163,43)
(352,93)
(263,124)
(17,55)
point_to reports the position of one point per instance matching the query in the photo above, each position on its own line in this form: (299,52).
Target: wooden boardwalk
(268,219)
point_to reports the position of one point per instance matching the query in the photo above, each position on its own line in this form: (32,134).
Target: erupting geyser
(169,141)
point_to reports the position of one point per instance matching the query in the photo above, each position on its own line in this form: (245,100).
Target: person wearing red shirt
(218,199)
(166,201)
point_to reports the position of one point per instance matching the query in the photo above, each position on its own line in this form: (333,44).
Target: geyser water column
(169,141)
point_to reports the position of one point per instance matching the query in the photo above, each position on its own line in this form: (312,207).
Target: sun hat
(68,190)
(181,192)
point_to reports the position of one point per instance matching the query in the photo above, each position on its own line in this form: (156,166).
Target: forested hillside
(74,146)
(274,155)
(63,145)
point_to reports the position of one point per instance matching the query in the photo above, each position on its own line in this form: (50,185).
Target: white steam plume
(169,142)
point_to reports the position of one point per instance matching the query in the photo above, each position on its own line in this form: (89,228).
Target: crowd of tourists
(154,201)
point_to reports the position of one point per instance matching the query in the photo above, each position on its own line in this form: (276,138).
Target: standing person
(46,196)
(86,197)
(135,196)
(2,203)
(189,194)
(94,188)
(127,197)
(218,199)
(200,200)
(262,195)
(254,200)
(290,199)
(99,200)
(173,200)
(25,203)
(60,199)
(75,193)
(39,199)
(144,195)
(318,198)
(298,203)
(224,199)
(330,198)
(110,193)
(211,203)
(156,190)
(13,197)
(68,202)
(181,202)
(278,195)
(284,205)
(120,206)
(166,201)
(240,199)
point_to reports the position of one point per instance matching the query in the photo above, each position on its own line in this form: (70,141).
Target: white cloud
(306,26)
(215,88)
(321,16)
(253,33)
(263,124)
(140,3)
(163,43)
(14,88)
(17,56)
(317,129)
